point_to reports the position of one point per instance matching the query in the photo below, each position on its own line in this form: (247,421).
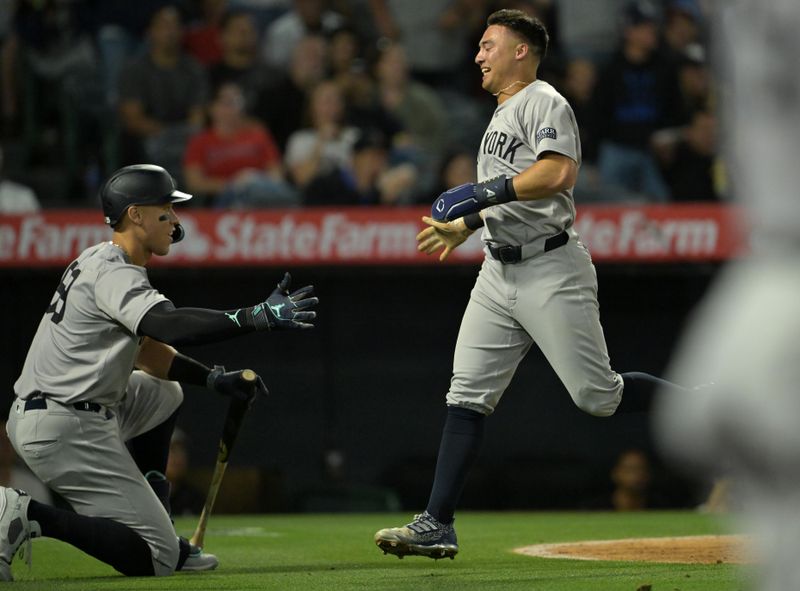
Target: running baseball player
(537,282)
(102,370)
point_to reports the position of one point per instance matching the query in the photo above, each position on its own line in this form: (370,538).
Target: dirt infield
(685,550)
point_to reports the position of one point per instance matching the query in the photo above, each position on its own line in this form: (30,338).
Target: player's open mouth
(485,71)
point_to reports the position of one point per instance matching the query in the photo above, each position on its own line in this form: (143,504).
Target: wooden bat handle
(233,420)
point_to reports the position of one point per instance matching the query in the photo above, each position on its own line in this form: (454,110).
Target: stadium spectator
(121,28)
(348,66)
(638,95)
(694,79)
(439,31)
(458,168)
(48,44)
(284,108)
(580,78)
(419,110)
(265,12)
(235,162)
(306,17)
(363,106)
(631,479)
(689,158)
(374,180)
(240,62)
(203,35)
(682,27)
(319,157)
(588,30)
(14,197)
(162,97)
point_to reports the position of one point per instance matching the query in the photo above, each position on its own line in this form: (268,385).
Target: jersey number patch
(60,299)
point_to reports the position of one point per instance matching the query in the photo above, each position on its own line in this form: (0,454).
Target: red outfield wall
(372,236)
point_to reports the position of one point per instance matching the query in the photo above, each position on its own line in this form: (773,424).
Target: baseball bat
(233,421)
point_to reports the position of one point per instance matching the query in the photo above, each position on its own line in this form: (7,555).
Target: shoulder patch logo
(546,132)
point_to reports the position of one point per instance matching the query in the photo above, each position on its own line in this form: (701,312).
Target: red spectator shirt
(203,43)
(224,156)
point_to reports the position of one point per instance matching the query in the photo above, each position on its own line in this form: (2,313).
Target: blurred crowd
(284,103)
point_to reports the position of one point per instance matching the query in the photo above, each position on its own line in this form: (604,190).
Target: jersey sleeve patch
(546,132)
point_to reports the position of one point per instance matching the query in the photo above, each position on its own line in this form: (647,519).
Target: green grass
(334,552)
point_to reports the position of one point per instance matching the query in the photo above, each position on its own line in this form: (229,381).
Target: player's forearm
(188,371)
(155,358)
(194,326)
(544,179)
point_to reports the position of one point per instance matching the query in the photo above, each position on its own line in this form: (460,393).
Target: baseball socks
(640,389)
(111,542)
(150,450)
(461,440)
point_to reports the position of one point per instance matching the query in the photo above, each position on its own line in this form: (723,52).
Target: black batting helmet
(139,184)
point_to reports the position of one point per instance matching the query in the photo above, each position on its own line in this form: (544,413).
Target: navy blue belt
(510,254)
(37,402)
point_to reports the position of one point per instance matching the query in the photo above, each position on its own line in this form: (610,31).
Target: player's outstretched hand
(286,310)
(438,235)
(231,383)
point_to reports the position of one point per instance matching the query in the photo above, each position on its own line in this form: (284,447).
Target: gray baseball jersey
(548,297)
(86,343)
(84,351)
(535,120)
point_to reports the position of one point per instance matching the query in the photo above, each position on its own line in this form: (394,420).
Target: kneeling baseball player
(96,402)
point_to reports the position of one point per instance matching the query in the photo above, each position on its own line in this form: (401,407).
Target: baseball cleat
(425,536)
(199,560)
(14,528)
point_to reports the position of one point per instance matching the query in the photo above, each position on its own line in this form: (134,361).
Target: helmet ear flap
(178,233)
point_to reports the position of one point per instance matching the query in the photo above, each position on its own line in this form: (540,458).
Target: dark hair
(528,27)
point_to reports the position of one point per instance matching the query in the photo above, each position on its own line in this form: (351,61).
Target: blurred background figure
(694,78)
(683,27)
(52,41)
(637,94)
(419,110)
(457,168)
(319,157)
(15,474)
(185,498)
(15,197)
(306,17)
(284,109)
(688,159)
(631,478)
(240,62)
(162,96)
(438,30)
(589,30)
(121,28)
(235,162)
(203,35)
(744,336)
(375,181)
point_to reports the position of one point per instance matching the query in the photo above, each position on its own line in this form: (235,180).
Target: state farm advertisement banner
(371,236)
